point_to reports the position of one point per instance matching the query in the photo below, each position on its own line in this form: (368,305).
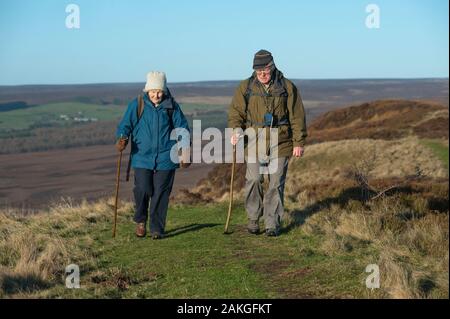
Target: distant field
(192,108)
(49,114)
(32,180)
(73,124)
(334,92)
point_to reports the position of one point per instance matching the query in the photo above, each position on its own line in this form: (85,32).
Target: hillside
(349,203)
(399,138)
(322,253)
(386,119)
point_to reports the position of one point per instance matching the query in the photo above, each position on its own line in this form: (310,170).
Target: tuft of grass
(410,247)
(37,249)
(329,161)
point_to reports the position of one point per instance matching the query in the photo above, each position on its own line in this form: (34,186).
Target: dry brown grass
(384,119)
(331,161)
(35,250)
(406,230)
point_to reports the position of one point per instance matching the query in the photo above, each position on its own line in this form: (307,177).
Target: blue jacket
(151,144)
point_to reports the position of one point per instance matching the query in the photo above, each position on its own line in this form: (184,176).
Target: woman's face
(156,96)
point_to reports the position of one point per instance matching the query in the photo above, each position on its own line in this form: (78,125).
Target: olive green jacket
(283,101)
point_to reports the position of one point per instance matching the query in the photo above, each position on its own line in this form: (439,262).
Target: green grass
(439,149)
(197,260)
(49,114)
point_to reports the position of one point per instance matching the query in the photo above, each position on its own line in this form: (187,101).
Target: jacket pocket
(285,133)
(280,108)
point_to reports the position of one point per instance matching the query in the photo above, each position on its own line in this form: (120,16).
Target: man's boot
(253,227)
(272,232)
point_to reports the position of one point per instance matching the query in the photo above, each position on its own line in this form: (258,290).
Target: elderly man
(149,120)
(268,100)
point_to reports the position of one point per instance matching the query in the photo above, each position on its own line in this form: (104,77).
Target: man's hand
(235,138)
(121,144)
(298,151)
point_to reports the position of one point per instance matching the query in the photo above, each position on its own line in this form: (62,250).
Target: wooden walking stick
(119,162)
(231,190)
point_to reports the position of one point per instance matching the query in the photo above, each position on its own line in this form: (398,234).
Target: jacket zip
(157,133)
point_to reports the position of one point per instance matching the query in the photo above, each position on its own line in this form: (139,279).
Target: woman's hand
(121,144)
(185,158)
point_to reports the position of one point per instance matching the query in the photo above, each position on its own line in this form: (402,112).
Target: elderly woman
(148,123)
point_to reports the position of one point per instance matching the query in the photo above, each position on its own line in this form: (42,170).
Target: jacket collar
(166,103)
(276,87)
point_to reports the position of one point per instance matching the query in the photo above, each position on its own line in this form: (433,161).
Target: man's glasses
(263,71)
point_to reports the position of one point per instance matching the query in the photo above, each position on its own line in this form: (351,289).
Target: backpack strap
(247,94)
(170,114)
(169,111)
(248,91)
(140,108)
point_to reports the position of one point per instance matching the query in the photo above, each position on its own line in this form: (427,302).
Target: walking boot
(253,227)
(157,236)
(272,232)
(140,230)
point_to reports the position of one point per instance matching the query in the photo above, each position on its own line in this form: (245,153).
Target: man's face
(263,75)
(156,96)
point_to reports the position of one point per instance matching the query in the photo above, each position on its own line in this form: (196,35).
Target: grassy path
(196,260)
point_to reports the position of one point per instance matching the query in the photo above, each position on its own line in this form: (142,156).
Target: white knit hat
(156,81)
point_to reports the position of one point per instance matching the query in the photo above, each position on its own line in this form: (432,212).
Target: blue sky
(120,41)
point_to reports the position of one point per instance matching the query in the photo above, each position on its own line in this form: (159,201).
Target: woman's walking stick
(231,190)
(119,162)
